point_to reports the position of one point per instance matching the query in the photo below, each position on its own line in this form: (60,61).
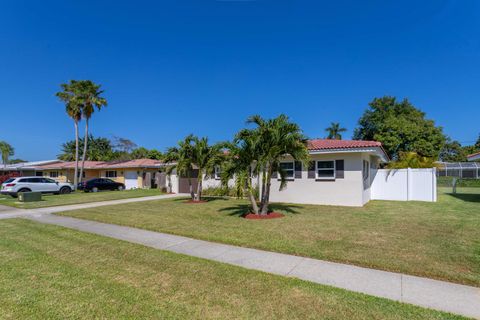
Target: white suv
(37,184)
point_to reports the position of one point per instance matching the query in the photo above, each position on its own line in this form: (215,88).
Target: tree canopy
(99,149)
(400,127)
(6,151)
(335,131)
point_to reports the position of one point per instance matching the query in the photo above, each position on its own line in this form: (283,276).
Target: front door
(131,178)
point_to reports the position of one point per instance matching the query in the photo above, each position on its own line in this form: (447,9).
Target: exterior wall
(405,185)
(215,183)
(173,181)
(344,192)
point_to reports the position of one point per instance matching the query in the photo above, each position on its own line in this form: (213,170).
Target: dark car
(98,184)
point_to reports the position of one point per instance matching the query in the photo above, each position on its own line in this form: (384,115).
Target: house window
(288,168)
(83,174)
(365,170)
(53,174)
(111,174)
(325,170)
(218,172)
(39,174)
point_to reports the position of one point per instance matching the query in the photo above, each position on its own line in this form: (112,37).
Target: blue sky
(170,68)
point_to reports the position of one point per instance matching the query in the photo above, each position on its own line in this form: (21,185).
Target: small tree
(411,160)
(334,131)
(264,147)
(205,157)
(180,158)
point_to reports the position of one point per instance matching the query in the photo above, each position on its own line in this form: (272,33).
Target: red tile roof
(473,155)
(322,144)
(137,163)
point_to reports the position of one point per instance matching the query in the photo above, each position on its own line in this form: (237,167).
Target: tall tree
(452,151)
(400,127)
(334,131)
(88,95)
(99,149)
(74,111)
(7,151)
(477,144)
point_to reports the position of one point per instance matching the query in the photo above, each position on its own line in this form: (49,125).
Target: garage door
(131,179)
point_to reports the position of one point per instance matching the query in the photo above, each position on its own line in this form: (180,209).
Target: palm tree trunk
(85,143)
(75,177)
(199,187)
(192,194)
(266,195)
(251,197)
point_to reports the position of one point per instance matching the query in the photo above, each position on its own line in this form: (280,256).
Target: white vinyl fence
(404,184)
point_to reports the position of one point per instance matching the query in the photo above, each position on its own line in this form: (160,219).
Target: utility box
(29,196)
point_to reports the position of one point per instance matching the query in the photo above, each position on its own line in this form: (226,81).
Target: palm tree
(205,157)
(334,131)
(180,159)
(74,111)
(261,149)
(411,160)
(7,151)
(88,96)
(241,165)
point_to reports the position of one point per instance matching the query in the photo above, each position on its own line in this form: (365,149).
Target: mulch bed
(270,215)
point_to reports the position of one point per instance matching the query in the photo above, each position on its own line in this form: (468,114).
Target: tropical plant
(205,157)
(411,160)
(88,95)
(99,149)
(7,151)
(400,127)
(74,111)
(260,150)
(334,131)
(180,159)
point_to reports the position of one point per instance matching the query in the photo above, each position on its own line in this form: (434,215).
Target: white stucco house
(340,172)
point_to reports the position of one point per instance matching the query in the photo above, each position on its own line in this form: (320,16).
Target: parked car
(13,186)
(98,184)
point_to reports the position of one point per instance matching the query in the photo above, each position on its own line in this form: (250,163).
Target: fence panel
(405,185)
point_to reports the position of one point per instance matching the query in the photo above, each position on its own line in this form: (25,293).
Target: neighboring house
(474,157)
(137,173)
(25,168)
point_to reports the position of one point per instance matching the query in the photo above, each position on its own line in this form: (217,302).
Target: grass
(50,200)
(49,272)
(437,240)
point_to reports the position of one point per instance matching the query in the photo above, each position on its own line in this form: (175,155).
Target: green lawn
(50,200)
(48,272)
(437,240)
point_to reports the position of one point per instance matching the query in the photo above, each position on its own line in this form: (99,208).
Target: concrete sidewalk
(439,295)
(9,212)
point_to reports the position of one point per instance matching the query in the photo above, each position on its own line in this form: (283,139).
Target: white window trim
(325,169)
(217,173)
(293,169)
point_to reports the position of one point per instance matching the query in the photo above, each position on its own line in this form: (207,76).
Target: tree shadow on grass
(242,209)
(206,198)
(469,197)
